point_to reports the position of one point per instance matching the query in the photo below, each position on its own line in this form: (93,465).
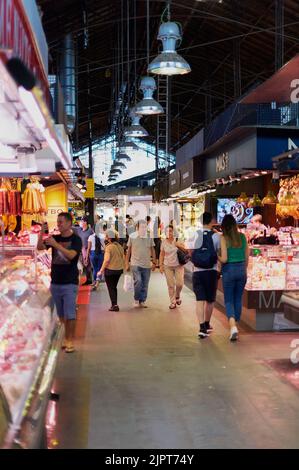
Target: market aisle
(142,379)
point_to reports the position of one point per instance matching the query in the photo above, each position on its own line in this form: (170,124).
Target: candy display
(273,268)
(10,197)
(34,203)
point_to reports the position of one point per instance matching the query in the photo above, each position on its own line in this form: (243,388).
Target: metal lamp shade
(148,105)
(169,63)
(122,156)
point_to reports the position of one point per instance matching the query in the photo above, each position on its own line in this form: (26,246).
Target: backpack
(98,246)
(205,257)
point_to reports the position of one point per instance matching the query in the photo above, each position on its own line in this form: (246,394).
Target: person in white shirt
(140,251)
(170,266)
(205,280)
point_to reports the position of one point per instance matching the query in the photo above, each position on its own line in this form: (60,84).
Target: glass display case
(273,268)
(30,338)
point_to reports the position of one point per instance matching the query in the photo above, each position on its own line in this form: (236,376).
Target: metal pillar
(279,34)
(237,70)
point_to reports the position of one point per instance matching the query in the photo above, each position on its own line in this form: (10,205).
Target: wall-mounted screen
(241,213)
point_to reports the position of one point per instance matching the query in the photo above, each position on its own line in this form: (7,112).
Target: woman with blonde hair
(170,266)
(234,256)
(113,266)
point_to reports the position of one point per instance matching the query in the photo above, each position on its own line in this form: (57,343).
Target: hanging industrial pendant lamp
(148,105)
(128,146)
(122,156)
(169,62)
(117,164)
(135,129)
(116,171)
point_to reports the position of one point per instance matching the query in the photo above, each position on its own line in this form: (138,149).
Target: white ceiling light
(26,159)
(169,62)
(148,105)
(135,130)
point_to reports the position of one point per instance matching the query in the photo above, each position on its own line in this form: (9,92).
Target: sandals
(172,306)
(178,301)
(70,348)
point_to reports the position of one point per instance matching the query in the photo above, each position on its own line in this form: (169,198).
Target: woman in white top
(169,264)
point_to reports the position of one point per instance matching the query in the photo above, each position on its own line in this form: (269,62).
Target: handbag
(183,257)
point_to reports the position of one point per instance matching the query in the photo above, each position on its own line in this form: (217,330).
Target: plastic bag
(128,283)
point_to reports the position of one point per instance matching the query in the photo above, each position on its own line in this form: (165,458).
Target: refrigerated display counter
(272,269)
(30,340)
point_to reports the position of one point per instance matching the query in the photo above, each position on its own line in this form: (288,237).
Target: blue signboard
(273,142)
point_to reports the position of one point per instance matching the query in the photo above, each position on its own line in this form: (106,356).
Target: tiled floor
(141,379)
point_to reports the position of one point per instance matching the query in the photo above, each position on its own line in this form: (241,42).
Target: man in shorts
(66,249)
(204,280)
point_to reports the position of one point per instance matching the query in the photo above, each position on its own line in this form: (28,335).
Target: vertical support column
(237,69)
(89,202)
(279,34)
(168,119)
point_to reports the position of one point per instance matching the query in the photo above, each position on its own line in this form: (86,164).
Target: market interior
(158,111)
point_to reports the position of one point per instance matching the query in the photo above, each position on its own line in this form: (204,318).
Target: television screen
(241,213)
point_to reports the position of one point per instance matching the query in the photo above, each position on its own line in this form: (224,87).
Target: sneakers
(114,308)
(142,304)
(209,328)
(136,304)
(202,331)
(233,333)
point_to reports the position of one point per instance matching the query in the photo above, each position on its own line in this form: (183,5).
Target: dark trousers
(97,261)
(112,278)
(157,242)
(87,270)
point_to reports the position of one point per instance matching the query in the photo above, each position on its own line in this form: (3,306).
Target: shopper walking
(66,249)
(140,250)
(157,237)
(95,251)
(112,266)
(169,264)
(84,232)
(234,256)
(203,251)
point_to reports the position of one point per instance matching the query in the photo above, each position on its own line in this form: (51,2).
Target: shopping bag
(128,283)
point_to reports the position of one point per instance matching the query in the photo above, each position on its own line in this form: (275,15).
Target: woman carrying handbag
(171,267)
(112,267)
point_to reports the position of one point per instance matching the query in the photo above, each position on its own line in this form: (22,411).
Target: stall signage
(222,162)
(16,35)
(270,145)
(186,175)
(89,194)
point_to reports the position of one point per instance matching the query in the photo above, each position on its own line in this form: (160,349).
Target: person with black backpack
(95,250)
(203,250)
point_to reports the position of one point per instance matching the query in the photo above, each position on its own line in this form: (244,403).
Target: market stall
(30,340)
(273,268)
